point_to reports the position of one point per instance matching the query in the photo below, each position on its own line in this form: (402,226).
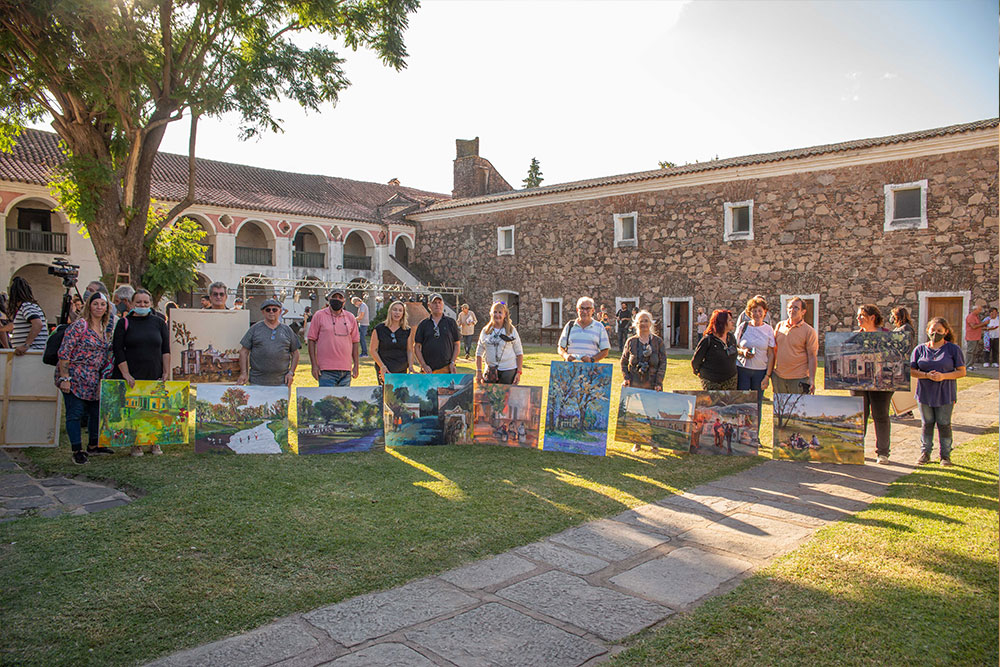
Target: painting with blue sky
(576,418)
(426,409)
(819,428)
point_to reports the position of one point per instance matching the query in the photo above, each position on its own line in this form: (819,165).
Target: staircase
(410,279)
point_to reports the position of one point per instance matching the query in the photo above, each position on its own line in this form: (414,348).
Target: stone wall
(817,232)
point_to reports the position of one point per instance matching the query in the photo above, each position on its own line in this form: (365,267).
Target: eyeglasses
(499,303)
(585,308)
(270,309)
(218,294)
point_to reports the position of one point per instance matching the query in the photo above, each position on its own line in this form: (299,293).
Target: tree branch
(180,206)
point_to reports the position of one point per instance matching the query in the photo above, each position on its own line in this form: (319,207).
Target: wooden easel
(12,402)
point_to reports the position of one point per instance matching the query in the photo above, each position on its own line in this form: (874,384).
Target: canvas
(149,413)
(576,418)
(30,404)
(819,428)
(654,418)
(426,409)
(338,419)
(726,423)
(205,344)
(241,420)
(507,414)
(867,360)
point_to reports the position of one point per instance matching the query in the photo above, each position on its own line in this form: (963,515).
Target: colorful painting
(726,423)
(576,419)
(241,420)
(868,360)
(507,414)
(205,344)
(654,418)
(427,409)
(150,413)
(332,420)
(819,428)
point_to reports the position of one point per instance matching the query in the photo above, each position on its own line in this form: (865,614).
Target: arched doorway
(309,248)
(47,289)
(192,298)
(34,226)
(402,249)
(208,240)
(255,244)
(359,247)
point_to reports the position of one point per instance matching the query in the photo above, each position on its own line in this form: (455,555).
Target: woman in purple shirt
(937,364)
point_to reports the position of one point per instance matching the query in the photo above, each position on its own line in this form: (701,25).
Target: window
(906,206)
(738,221)
(626,229)
(505,240)
(552,313)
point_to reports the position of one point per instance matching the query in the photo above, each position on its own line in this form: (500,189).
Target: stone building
(908,220)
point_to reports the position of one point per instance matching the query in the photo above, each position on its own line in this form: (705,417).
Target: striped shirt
(584,341)
(26,314)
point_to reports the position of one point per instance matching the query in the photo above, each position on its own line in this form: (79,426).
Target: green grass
(910,581)
(220,545)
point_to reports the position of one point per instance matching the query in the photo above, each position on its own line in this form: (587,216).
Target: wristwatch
(63,379)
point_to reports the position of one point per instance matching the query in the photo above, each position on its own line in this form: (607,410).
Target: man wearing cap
(436,342)
(270,349)
(334,343)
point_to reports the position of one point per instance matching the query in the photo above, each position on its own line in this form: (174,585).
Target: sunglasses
(270,309)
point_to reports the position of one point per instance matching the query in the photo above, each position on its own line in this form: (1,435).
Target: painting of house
(508,415)
(426,409)
(725,423)
(868,360)
(205,344)
(654,418)
(149,413)
(576,418)
(819,428)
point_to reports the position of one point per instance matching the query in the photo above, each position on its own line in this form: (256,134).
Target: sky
(595,88)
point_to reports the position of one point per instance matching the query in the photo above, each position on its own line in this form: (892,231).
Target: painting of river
(427,409)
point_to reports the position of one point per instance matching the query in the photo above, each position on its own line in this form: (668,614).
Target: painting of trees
(784,407)
(234,398)
(576,389)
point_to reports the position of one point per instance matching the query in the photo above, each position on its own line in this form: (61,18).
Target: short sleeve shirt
(437,349)
(334,337)
(945,359)
(270,352)
(362,315)
(23,318)
(973,326)
(761,338)
(584,341)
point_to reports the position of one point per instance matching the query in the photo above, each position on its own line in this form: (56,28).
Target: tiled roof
(225,184)
(760,158)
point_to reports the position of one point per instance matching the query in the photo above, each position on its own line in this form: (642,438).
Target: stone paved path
(570,599)
(22,495)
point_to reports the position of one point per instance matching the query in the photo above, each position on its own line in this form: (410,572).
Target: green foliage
(77,185)
(534,178)
(664,164)
(174,254)
(379,316)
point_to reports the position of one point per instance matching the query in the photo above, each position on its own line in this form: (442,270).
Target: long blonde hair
(507,326)
(404,323)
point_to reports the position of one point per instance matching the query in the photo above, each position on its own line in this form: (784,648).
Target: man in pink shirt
(334,343)
(974,336)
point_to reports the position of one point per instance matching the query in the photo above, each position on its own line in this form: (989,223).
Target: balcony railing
(209,253)
(309,260)
(258,256)
(26,240)
(358,263)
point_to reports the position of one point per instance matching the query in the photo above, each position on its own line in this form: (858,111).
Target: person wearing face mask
(334,343)
(937,364)
(123,299)
(141,345)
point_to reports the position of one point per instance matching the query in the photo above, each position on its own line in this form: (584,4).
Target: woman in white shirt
(755,348)
(500,346)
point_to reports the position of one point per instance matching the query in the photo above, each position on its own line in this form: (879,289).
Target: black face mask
(336,304)
(937,337)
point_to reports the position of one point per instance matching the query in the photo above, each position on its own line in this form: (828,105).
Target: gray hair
(584,299)
(218,283)
(124,292)
(101,287)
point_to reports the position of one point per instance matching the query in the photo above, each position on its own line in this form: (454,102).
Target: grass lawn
(910,581)
(219,545)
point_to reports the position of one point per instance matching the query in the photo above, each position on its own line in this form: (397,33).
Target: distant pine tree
(664,164)
(534,178)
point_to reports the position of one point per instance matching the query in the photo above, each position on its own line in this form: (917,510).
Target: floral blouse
(90,359)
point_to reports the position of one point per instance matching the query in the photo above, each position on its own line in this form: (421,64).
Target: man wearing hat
(436,342)
(270,349)
(334,343)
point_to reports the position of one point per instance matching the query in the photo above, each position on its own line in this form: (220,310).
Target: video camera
(61,268)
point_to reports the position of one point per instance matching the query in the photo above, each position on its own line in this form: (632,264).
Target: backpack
(51,354)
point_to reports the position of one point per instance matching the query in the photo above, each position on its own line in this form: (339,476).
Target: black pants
(877,405)
(506,377)
(994,350)
(622,337)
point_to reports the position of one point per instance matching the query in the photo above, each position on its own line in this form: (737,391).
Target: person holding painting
(392,343)
(899,318)
(500,345)
(876,403)
(270,349)
(714,360)
(584,339)
(334,343)
(937,364)
(217,295)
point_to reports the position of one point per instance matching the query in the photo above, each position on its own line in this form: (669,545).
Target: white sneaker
(883,459)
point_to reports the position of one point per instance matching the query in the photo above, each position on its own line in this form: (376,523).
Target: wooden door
(950,308)
(810,314)
(681,321)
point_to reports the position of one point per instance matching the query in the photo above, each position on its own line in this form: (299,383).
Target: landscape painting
(654,418)
(507,414)
(150,413)
(205,344)
(241,420)
(427,409)
(726,423)
(576,418)
(819,428)
(868,360)
(333,420)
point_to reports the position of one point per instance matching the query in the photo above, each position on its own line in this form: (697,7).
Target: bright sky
(600,88)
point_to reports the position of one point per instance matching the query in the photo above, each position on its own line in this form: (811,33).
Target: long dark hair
(20,293)
(871,310)
(949,335)
(901,316)
(718,323)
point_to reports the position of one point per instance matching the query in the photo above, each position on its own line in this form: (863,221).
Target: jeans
(467,343)
(940,416)
(335,378)
(363,330)
(77,410)
(750,379)
(622,337)
(877,404)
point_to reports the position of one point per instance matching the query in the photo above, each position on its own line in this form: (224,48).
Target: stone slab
(799,512)
(563,559)
(490,572)
(376,614)
(9,465)
(609,540)
(713,503)
(56,481)
(258,648)
(105,505)
(497,635)
(749,535)
(682,576)
(8,480)
(659,519)
(605,612)
(390,654)
(52,512)
(28,503)
(23,491)
(84,495)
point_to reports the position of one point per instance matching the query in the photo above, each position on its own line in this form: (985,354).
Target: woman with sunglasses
(500,346)
(391,345)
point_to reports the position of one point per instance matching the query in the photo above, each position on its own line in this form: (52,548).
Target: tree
(234,398)
(664,164)
(173,257)
(113,75)
(534,178)
(784,407)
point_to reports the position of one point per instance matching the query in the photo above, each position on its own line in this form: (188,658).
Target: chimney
(474,175)
(394,182)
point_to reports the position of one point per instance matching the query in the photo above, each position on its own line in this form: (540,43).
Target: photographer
(27,317)
(644,357)
(500,345)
